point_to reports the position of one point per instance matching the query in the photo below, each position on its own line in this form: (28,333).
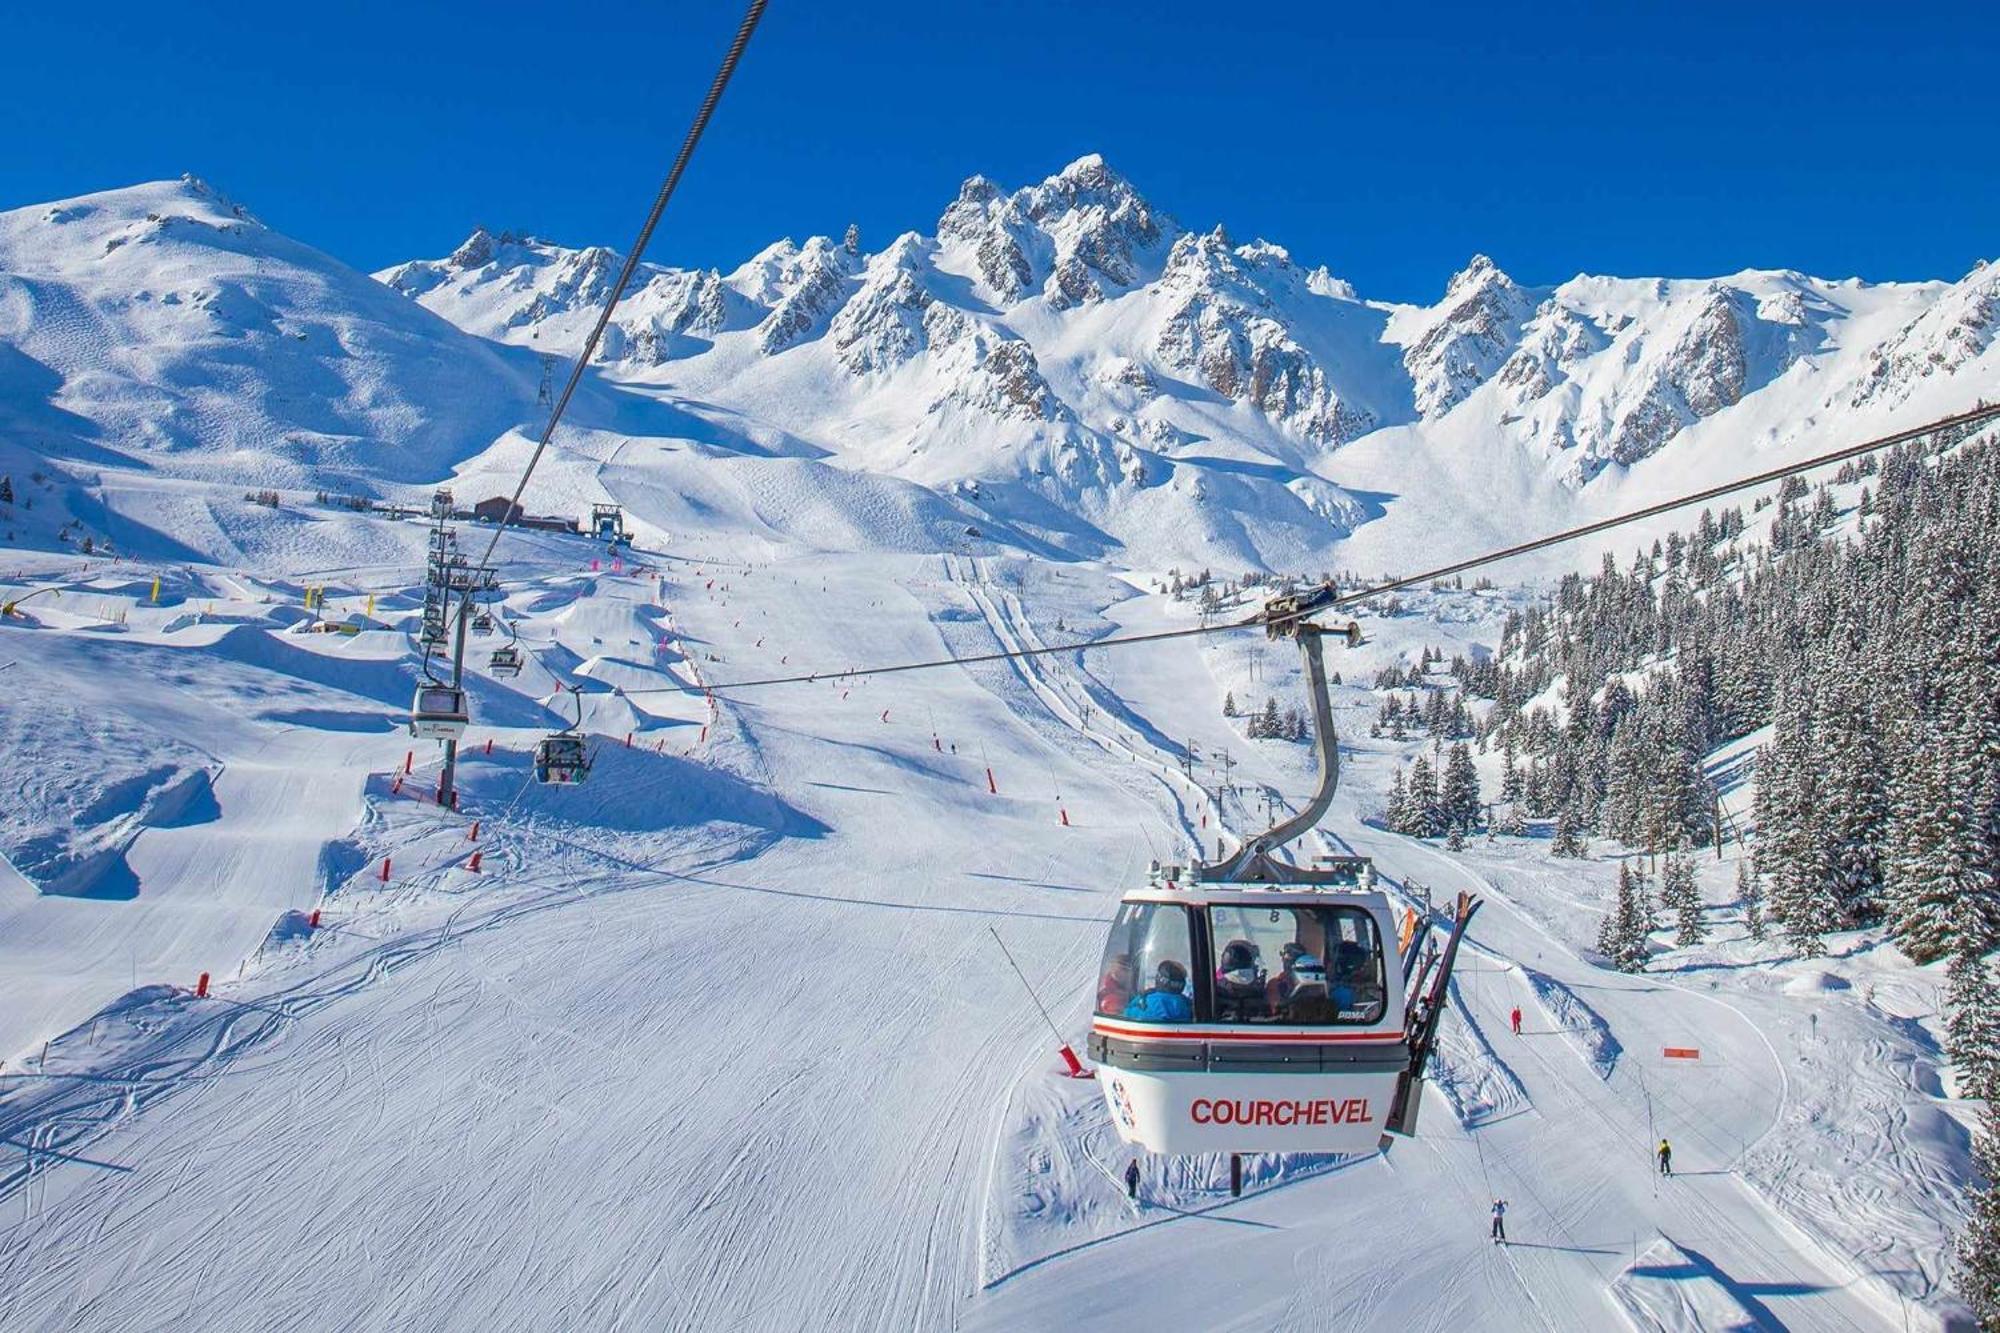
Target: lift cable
(1977,415)
(701,118)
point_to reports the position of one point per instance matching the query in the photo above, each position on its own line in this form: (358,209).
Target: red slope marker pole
(201,987)
(1073,1066)
(385,870)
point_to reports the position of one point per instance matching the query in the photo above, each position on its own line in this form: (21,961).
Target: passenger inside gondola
(1114,988)
(1240,984)
(1330,965)
(1298,993)
(1166,1000)
(1145,973)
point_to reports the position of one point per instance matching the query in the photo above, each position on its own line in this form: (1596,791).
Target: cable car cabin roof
(1274,895)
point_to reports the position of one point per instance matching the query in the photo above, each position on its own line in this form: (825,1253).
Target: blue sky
(1386,141)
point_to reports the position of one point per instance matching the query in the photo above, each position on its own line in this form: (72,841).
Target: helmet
(1308,969)
(1170,975)
(1238,954)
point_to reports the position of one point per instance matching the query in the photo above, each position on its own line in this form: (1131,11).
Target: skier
(1515,1019)
(1666,1159)
(1499,1221)
(1132,1179)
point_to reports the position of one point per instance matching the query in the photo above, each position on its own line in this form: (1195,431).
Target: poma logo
(1121,1101)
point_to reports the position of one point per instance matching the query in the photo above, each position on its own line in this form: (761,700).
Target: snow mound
(1582,1025)
(1816,983)
(1470,1074)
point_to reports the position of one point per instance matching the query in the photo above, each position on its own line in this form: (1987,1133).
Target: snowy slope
(163,326)
(721,1038)
(739,993)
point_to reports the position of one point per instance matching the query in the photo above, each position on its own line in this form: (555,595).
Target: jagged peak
(1479,271)
(476,251)
(908,251)
(1092,172)
(1322,282)
(977,189)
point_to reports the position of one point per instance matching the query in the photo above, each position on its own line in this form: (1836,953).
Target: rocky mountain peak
(476,251)
(1473,332)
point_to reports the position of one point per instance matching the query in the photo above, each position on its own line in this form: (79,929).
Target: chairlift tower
(443,553)
(451,583)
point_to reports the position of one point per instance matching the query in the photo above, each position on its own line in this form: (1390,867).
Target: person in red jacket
(1516,1018)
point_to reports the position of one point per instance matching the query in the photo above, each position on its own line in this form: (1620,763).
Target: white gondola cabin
(438,713)
(1250,1018)
(505,661)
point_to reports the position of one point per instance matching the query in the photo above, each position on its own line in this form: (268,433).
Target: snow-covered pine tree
(1622,938)
(1229,703)
(1649,906)
(1397,814)
(1510,774)
(1750,892)
(1972,1025)
(1852,795)
(1267,723)
(1790,853)
(1939,891)
(1566,843)
(1458,799)
(1680,892)
(1455,840)
(1424,819)
(1977,1271)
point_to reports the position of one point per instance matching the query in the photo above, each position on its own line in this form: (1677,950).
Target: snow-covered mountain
(165,326)
(1071,344)
(1062,368)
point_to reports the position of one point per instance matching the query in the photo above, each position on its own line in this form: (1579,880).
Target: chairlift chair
(564,756)
(438,712)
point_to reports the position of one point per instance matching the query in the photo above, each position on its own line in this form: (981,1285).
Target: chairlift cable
(722,76)
(1976,416)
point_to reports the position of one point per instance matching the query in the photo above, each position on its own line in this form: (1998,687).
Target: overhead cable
(701,118)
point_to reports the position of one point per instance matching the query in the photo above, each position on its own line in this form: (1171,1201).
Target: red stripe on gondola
(1166,1032)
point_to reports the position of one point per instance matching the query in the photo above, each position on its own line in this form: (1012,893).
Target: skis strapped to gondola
(1420,1021)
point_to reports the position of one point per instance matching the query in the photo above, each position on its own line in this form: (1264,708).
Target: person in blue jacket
(1165,1001)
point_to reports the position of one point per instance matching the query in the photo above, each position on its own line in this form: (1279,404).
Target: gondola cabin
(505,661)
(1238,1017)
(438,713)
